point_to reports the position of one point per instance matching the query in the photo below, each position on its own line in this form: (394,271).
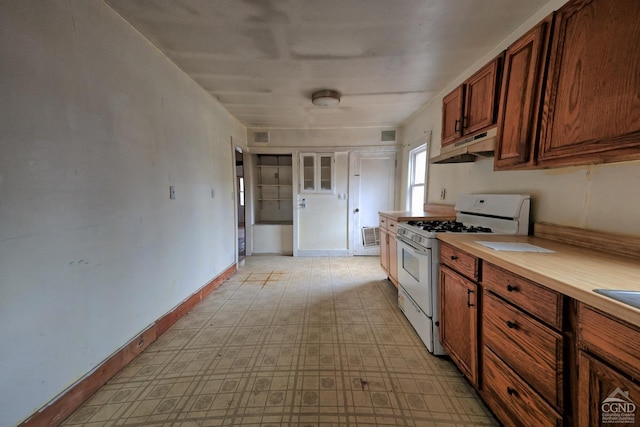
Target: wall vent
(261,137)
(388,135)
(370,236)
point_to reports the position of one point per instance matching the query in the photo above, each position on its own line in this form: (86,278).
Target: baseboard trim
(166,321)
(323,253)
(60,408)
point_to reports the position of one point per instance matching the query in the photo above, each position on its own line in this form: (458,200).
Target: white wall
(322,228)
(322,138)
(272,239)
(600,197)
(96,125)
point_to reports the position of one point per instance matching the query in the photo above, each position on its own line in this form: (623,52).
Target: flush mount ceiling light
(325,98)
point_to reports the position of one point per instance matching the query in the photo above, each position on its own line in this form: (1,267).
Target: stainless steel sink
(631,298)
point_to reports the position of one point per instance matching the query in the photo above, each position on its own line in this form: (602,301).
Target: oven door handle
(411,247)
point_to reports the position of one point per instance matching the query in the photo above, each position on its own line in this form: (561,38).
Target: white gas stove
(419,252)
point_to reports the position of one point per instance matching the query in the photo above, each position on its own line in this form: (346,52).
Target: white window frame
(411,184)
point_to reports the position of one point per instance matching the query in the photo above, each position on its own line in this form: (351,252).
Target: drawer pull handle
(511,288)
(469,292)
(511,391)
(511,325)
(453,257)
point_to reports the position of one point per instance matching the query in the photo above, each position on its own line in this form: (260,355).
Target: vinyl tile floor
(290,342)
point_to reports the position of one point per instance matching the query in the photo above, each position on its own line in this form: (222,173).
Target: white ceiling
(262,59)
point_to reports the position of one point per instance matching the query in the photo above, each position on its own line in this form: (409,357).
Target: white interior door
(371,189)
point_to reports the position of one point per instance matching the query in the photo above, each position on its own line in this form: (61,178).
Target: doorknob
(356,210)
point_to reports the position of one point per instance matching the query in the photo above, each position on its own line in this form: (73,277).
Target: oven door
(414,273)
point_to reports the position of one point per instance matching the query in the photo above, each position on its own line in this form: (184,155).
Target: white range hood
(467,150)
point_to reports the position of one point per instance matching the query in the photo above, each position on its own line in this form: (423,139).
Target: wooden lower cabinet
(531,349)
(389,248)
(384,250)
(540,302)
(459,261)
(459,321)
(605,395)
(393,259)
(608,370)
(537,357)
(514,402)
(523,360)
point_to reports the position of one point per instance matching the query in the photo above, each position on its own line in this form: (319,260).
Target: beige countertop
(432,211)
(571,270)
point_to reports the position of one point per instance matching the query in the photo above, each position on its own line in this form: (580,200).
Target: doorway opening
(372,186)
(240,201)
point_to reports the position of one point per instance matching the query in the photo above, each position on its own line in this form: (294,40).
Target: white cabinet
(317,173)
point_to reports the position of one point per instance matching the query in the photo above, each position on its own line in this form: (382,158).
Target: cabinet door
(393,259)
(384,250)
(592,100)
(308,172)
(458,322)
(317,173)
(452,116)
(325,173)
(605,396)
(521,98)
(481,97)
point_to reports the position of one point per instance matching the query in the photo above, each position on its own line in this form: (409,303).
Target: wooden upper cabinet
(472,107)
(452,115)
(592,97)
(481,98)
(521,98)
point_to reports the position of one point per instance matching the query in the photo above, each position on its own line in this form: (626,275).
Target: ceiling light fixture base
(325,98)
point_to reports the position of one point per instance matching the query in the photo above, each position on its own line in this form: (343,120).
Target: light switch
(213,193)
(172,192)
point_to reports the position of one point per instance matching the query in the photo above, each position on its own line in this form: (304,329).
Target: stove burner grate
(449,226)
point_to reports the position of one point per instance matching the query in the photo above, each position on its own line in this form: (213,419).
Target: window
(417,177)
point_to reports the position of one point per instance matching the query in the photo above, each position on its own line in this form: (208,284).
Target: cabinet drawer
(614,340)
(384,223)
(532,349)
(541,302)
(460,261)
(392,225)
(512,400)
